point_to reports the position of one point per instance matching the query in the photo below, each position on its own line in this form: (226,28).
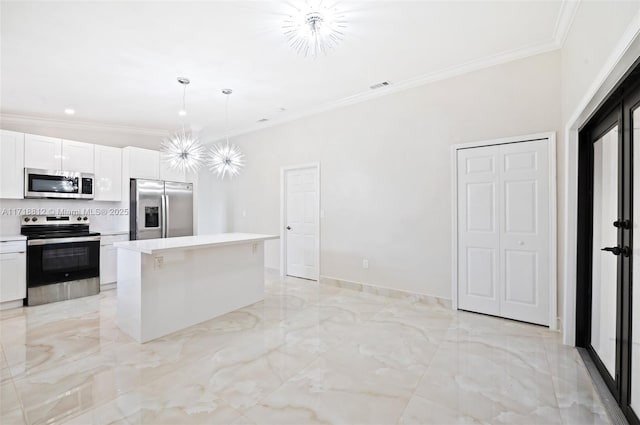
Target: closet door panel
(524,231)
(478,230)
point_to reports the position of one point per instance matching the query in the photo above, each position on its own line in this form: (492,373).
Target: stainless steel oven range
(63,258)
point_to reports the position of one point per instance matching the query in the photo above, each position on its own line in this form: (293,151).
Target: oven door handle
(62,240)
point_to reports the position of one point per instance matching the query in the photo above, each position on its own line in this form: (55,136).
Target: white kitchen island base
(165,285)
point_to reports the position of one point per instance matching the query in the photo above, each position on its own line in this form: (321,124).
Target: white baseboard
(386,292)
(11,304)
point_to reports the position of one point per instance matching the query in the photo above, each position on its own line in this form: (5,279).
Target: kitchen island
(165,285)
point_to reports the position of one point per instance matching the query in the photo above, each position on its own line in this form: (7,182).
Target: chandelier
(314,28)
(182,151)
(225,158)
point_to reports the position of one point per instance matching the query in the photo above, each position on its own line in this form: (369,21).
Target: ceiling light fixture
(69,111)
(184,81)
(314,28)
(182,151)
(225,158)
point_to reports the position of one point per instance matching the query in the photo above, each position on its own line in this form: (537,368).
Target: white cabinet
(143,163)
(109,258)
(13,271)
(42,152)
(49,153)
(169,174)
(108,173)
(11,165)
(77,156)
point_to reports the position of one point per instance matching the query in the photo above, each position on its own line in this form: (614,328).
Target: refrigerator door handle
(163,217)
(166,216)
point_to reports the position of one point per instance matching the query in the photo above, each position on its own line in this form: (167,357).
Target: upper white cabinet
(11,164)
(49,153)
(108,173)
(143,163)
(77,156)
(170,174)
(42,152)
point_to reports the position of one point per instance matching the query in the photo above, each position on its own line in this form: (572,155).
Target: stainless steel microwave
(57,184)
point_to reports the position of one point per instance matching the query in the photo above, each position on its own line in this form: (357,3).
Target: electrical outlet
(365,264)
(159,262)
(244,213)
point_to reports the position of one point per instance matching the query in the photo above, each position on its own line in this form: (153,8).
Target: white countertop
(151,246)
(8,238)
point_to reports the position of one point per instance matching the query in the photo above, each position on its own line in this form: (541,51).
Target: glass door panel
(635,301)
(605,263)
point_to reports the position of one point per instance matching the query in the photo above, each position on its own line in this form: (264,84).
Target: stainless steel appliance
(57,184)
(63,258)
(160,209)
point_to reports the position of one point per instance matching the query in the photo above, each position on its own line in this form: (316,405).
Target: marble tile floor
(308,353)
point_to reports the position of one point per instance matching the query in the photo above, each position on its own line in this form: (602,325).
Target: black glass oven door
(62,262)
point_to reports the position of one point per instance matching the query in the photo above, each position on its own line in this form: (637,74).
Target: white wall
(385,169)
(212,204)
(595,31)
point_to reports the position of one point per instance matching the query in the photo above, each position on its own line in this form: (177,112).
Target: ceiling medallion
(182,151)
(225,158)
(314,28)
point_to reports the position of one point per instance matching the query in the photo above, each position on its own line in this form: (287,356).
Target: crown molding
(395,87)
(80,125)
(562,26)
(568,10)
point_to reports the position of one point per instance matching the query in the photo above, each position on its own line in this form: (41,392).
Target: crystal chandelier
(225,158)
(182,151)
(314,28)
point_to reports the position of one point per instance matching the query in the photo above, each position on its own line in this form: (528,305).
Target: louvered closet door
(503,230)
(478,230)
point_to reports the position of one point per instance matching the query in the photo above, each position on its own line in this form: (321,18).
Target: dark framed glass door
(608,249)
(608,220)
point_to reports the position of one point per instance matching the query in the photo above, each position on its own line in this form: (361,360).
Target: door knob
(622,224)
(616,250)
(288,227)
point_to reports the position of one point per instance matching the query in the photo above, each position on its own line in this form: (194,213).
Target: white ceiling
(117,62)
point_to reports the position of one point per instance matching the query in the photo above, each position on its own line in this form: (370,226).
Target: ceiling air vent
(380,85)
(263,120)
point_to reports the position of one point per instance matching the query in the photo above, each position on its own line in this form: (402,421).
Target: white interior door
(504,230)
(524,231)
(301,222)
(478,230)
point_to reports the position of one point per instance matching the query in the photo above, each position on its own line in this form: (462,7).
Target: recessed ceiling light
(182,112)
(282,109)
(263,120)
(69,111)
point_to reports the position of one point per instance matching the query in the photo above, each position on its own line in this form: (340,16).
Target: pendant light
(182,151)
(225,158)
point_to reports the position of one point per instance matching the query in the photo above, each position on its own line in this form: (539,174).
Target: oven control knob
(79,218)
(34,219)
(27,219)
(85,218)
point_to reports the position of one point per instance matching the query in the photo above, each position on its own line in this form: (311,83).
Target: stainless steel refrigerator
(160,209)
